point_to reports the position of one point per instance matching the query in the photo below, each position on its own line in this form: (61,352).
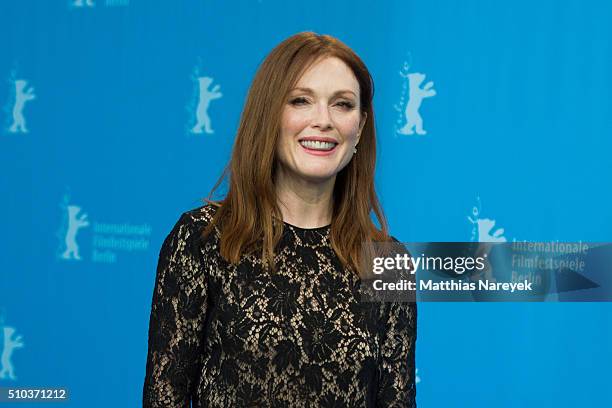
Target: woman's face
(321,122)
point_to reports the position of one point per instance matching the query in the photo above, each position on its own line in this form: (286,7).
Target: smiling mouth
(318,145)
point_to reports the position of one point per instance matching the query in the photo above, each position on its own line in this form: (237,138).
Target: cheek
(292,123)
(349,128)
(290,127)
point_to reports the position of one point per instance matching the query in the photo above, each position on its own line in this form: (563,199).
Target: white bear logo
(74,224)
(22,95)
(414,121)
(10,344)
(205,96)
(484,226)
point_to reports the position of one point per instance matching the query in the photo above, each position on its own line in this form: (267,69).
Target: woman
(255,301)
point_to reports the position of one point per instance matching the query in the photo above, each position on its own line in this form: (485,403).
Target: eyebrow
(310,91)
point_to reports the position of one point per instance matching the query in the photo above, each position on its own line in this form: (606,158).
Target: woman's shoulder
(192,223)
(200,216)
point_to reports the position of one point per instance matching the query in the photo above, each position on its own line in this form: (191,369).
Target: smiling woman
(256,300)
(323,119)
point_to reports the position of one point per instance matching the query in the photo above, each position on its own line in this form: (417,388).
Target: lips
(318,145)
(319,139)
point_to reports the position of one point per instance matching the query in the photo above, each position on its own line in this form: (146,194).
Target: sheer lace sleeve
(397,381)
(177,318)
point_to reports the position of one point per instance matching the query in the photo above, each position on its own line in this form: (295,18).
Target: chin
(318,175)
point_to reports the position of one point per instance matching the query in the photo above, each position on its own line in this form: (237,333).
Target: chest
(307,310)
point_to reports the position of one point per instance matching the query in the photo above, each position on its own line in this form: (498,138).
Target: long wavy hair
(249,218)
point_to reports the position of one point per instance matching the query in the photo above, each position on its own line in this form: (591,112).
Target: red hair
(249,218)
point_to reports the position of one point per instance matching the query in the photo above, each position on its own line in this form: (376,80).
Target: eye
(300,100)
(346,104)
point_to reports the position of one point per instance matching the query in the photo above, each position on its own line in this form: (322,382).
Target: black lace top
(223,335)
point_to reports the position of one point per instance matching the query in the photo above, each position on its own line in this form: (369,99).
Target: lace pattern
(223,335)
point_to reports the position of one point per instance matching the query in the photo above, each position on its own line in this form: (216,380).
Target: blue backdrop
(493,120)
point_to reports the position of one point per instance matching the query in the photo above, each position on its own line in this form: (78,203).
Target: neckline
(307,229)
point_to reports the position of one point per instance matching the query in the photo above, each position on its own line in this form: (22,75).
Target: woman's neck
(304,203)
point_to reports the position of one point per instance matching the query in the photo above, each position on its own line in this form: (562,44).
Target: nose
(322,119)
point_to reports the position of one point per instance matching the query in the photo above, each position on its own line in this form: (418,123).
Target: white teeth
(316,145)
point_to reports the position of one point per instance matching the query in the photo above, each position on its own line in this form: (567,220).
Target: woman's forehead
(329,73)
